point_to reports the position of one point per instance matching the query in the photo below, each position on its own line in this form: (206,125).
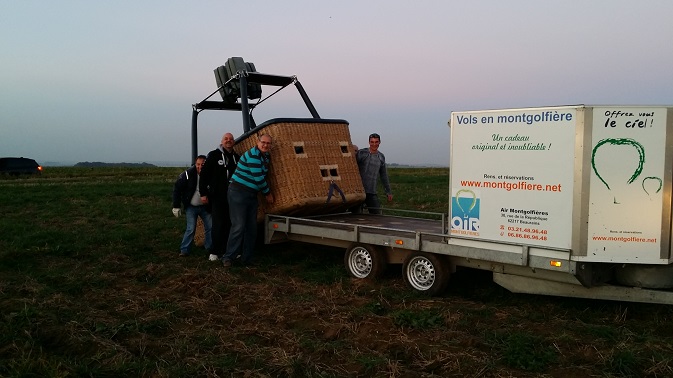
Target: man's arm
(178,188)
(206,175)
(259,172)
(383,172)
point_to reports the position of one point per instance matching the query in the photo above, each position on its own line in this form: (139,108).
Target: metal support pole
(244,102)
(195,147)
(307,101)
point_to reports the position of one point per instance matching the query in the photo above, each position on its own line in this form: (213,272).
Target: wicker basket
(200,233)
(308,158)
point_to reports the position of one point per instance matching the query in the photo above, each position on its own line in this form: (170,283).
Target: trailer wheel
(365,261)
(427,273)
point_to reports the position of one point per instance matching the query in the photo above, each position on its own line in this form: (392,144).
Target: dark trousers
(244,206)
(221,224)
(372,201)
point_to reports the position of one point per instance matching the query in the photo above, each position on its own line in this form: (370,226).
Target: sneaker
(226,263)
(184,254)
(213,257)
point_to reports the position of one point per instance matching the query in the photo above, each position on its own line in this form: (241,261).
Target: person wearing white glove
(186,194)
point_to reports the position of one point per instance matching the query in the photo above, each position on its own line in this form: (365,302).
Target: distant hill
(396,165)
(93,164)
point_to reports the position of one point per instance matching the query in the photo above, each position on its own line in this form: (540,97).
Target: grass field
(91,285)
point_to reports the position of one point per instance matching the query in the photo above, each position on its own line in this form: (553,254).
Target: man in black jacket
(220,165)
(186,192)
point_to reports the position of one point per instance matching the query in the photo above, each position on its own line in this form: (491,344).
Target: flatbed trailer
(572,200)
(420,242)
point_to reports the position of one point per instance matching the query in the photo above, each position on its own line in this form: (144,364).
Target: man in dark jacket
(220,165)
(186,192)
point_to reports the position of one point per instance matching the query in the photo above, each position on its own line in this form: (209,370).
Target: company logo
(465,212)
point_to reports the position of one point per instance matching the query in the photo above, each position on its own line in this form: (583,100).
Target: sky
(115,81)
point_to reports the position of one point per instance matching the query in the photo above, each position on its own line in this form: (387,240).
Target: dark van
(19,165)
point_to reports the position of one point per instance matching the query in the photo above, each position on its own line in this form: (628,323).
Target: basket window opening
(330,172)
(299,150)
(345,148)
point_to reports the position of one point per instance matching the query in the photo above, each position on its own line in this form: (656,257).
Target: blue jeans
(191,212)
(243,213)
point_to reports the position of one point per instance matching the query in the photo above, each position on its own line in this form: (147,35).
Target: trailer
(571,201)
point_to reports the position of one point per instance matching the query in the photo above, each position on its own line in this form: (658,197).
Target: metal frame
(280,228)
(518,268)
(244,106)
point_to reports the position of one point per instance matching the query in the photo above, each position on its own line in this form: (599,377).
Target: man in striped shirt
(248,180)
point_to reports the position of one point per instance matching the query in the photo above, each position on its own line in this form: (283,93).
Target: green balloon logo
(658,183)
(472,205)
(620,142)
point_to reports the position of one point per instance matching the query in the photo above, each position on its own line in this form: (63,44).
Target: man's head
(374,142)
(264,143)
(227,141)
(199,163)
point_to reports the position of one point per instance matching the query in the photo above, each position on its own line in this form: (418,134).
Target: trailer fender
(365,261)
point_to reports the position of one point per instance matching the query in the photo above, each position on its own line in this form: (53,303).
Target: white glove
(176,211)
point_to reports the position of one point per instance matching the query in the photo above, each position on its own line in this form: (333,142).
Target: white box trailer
(565,200)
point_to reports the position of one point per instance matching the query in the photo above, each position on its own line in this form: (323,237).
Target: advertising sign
(512,175)
(626,184)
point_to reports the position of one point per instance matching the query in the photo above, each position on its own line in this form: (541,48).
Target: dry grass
(91,285)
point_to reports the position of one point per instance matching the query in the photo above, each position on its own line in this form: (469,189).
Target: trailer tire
(426,273)
(365,261)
